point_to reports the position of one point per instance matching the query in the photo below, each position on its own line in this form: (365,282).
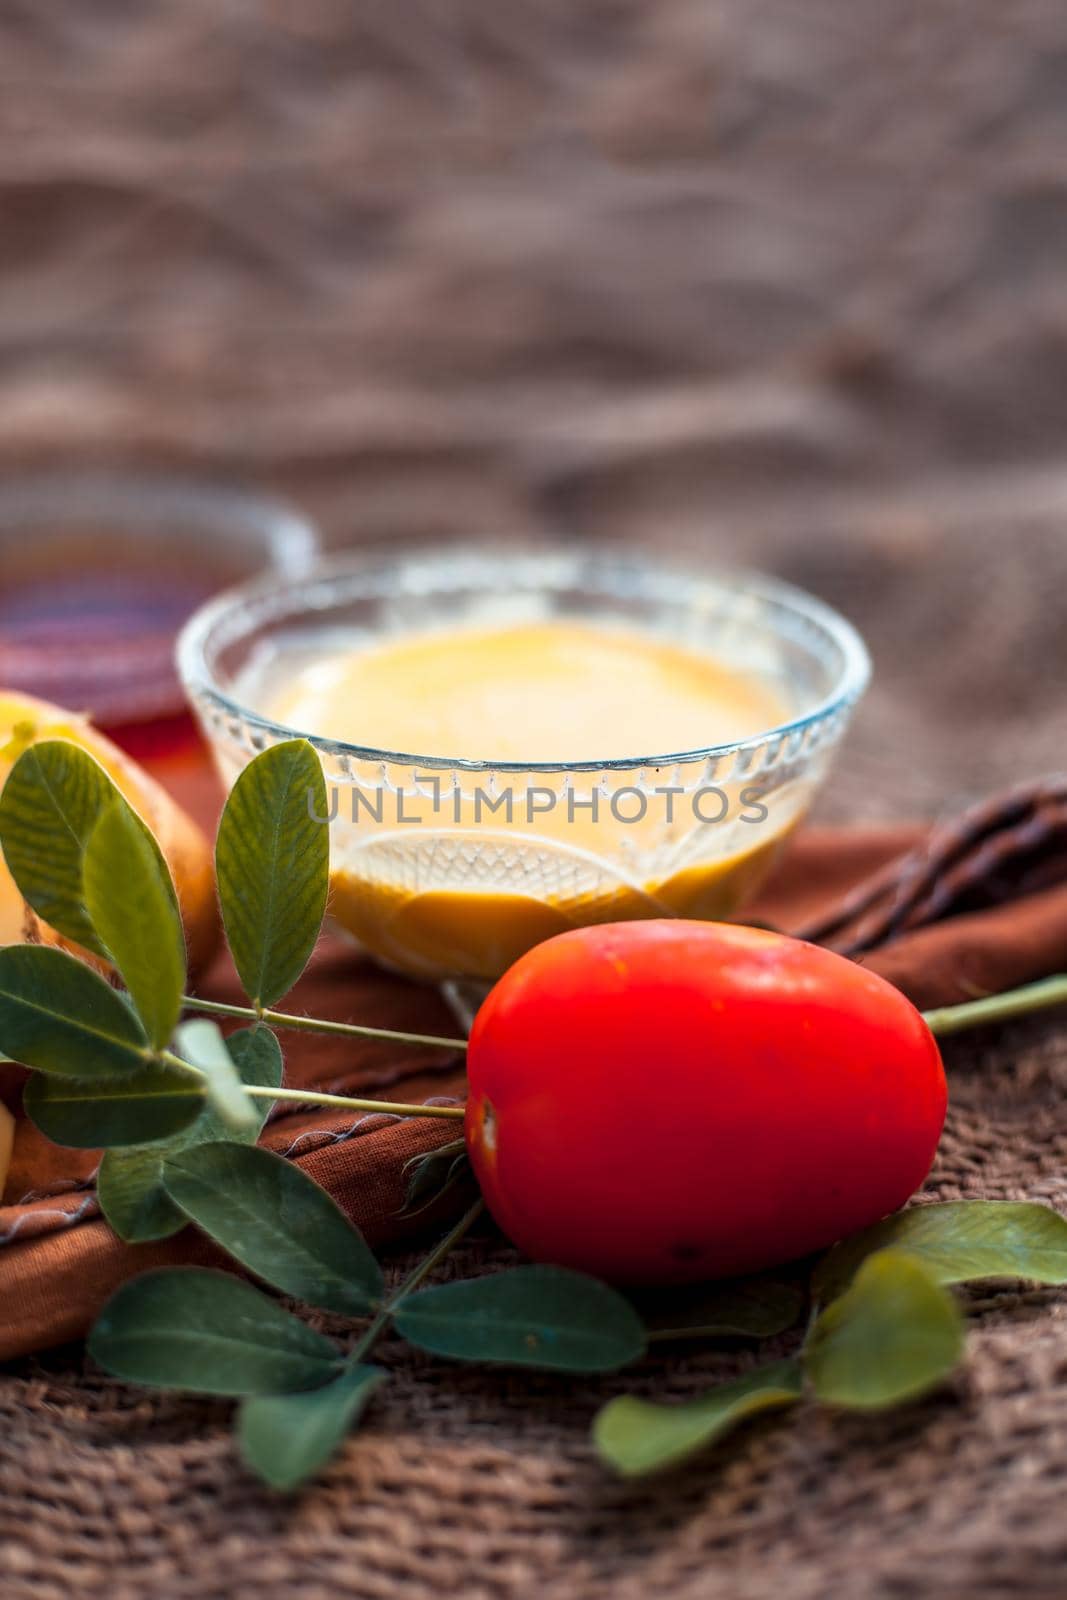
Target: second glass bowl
(101,569)
(453,868)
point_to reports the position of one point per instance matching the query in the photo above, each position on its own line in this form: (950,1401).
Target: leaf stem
(362,1349)
(316,1097)
(998,1007)
(312,1097)
(285,1019)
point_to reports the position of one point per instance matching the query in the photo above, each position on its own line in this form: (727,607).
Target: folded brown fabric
(965,909)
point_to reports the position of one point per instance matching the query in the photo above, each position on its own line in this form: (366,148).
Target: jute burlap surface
(483,1485)
(768,284)
(478,1484)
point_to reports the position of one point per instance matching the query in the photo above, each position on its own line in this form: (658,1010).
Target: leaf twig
(393,1108)
(286,1019)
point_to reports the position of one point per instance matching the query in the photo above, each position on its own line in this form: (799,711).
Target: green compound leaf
(890,1337)
(276,1221)
(153,1102)
(202,1044)
(636,1437)
(272,862)
(129,1184)
(206,1332)
(58,1015)
(286,1438)
(547,1317)
(132,905)
(957,1241)
(747,1308)
(53,797)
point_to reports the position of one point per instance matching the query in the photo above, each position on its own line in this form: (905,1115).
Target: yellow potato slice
(25,720)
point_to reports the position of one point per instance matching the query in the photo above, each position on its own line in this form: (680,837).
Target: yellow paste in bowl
(462,882)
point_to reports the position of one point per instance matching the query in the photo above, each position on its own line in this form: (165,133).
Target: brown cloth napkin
(965,909)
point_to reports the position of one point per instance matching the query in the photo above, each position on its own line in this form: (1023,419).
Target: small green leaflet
(153,1102)
(748,1308)
(547,1317)
(129,1184)
(131,903)
(129,1187)
(635,1437)
(430,1177)
(53,796)
(890,1337)
(272,862)
(277,1222)
(202,1044)
(957,1241)
(257,1055)
(58,1015)
(206,1332)
(286,1438)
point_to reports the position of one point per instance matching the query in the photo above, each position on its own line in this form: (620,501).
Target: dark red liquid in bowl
(100,639)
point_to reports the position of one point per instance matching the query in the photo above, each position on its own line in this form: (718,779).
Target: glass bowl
(453,867)
(102,568)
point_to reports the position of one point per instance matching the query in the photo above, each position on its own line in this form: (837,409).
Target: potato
(25,720)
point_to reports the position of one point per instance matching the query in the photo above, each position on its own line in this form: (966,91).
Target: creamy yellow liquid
(464,891)
(546,691)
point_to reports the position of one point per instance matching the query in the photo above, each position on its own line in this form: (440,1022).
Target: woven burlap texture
(483,1485)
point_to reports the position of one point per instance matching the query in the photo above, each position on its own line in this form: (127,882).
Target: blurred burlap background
(760,281)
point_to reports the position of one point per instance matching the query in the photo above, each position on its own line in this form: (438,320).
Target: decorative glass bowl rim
(462,567)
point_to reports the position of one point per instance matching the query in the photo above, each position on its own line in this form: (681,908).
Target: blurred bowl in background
(98,572)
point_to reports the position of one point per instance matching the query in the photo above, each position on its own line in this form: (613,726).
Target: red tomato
(665,1101)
